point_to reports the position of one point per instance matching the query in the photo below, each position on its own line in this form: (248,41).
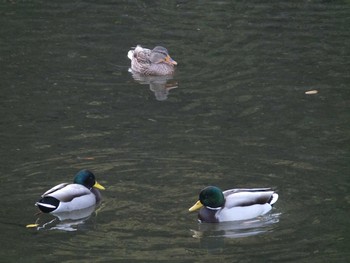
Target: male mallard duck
(70,197)
(234,204)
(151,62)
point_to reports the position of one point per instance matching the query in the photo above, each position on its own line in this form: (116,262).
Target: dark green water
(239,117)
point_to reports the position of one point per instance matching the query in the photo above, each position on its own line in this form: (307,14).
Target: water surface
(238,117)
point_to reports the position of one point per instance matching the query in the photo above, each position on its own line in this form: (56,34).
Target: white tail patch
(130,54)
(45,205)
(138,48)
(274,198)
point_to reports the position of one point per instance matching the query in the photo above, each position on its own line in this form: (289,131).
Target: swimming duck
(234,204)
(155,62)
(66,197)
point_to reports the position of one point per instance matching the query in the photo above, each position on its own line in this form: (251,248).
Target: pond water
(235,114)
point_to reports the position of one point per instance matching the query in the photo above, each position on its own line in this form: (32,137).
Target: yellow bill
(98,186)
(32,225)
(196,206)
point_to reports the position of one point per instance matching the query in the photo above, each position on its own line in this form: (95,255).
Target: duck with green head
(155,62)
(66,197)
(232,205)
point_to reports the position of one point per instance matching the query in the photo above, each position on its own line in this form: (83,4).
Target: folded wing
(249,197)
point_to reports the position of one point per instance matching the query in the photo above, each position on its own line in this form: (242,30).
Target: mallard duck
(234,204)
(151,62)
(70,197)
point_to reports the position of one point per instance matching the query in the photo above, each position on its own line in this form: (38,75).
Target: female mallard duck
(155,62)
(70,197)
(234,204)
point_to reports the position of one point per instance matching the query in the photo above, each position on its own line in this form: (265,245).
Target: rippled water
(234,115)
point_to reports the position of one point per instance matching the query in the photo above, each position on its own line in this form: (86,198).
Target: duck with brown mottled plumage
(155,62)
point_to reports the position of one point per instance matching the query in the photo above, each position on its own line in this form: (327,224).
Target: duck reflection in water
(160,85)
(237,229)
(66,221)
(213,236)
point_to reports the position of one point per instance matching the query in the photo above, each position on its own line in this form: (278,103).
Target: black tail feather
(47,204)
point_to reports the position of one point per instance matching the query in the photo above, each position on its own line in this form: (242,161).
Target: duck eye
(163,53)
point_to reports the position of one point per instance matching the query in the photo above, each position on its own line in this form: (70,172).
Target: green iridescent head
(212,196)
(87,178)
